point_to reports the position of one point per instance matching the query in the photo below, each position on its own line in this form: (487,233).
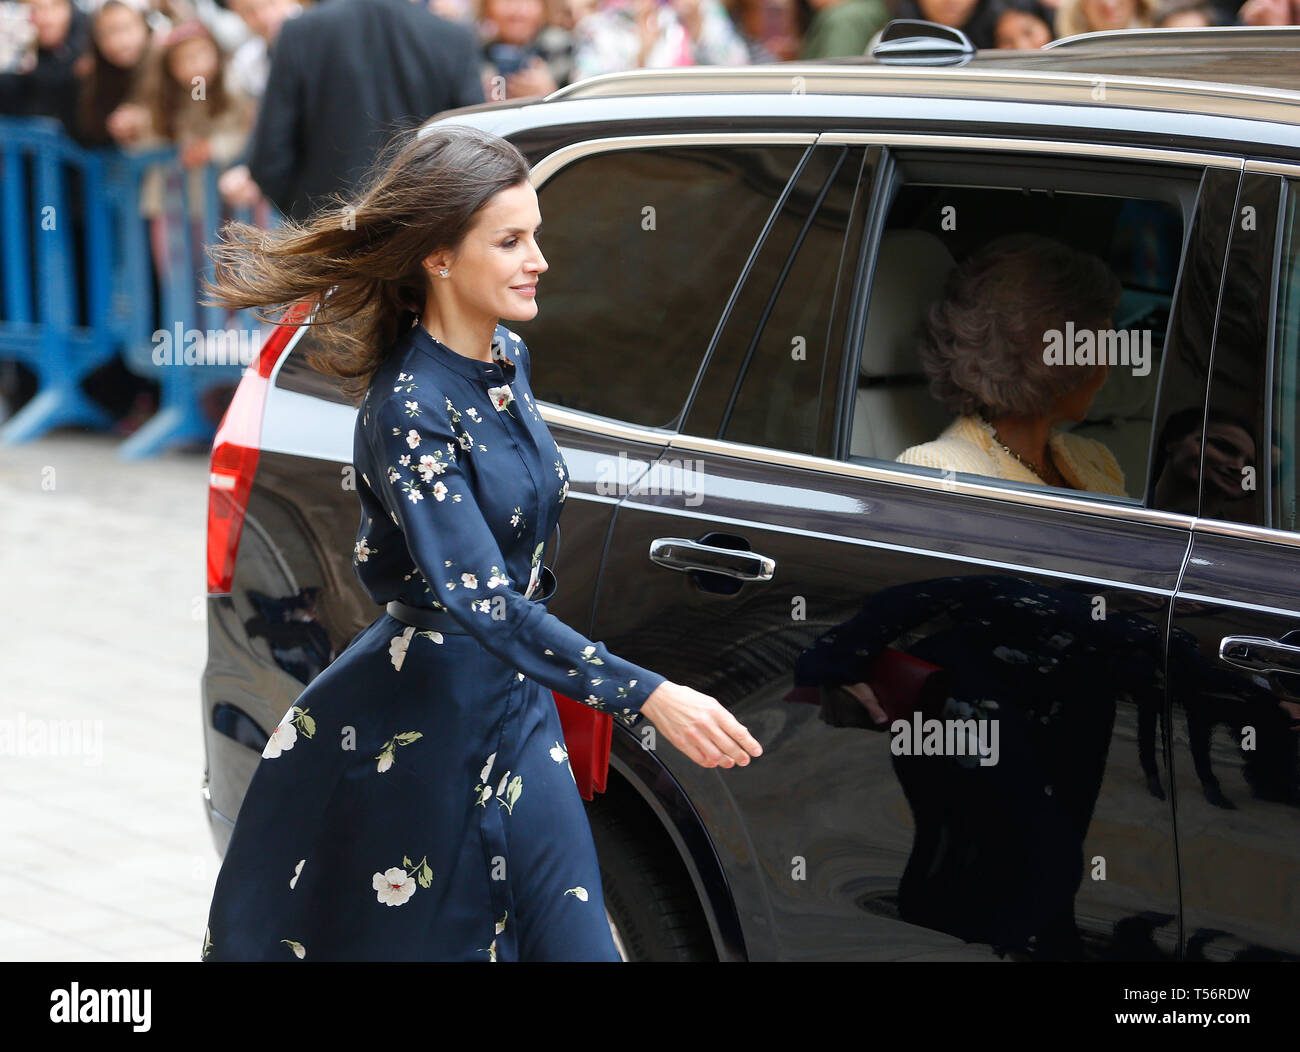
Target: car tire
(652,907)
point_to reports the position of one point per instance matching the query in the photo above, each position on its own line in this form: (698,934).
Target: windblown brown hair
(358,262)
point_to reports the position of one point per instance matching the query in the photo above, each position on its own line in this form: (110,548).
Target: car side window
(1017,318)
(644,247)
(773,376)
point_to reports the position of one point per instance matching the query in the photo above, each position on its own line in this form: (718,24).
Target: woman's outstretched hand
(699,726)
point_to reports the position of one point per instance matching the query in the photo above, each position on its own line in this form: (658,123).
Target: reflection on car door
(957,602)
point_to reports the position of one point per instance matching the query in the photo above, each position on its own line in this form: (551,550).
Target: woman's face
(51,19)
(195,57)
(1017,30)
(517,21)
(1228,452)
(498,256)
(1108,14)
(954,13)
(122,36)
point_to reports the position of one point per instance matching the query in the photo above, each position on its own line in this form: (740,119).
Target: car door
(1235,649)
(767,552)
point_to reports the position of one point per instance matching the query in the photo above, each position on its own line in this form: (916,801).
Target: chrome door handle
(1260,654)
(681,553)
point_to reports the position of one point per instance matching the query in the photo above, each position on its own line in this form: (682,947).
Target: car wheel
(649,901)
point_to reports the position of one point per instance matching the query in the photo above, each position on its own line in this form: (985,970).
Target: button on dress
(416,802)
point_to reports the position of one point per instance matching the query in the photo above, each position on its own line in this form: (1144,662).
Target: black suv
(726,346)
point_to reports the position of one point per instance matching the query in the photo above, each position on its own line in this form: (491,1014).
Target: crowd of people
(123,71)
(292,116)
(193,72)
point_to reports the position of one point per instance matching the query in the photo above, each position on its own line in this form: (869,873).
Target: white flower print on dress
(561,755)
(285,735)
(502,398)
(413,438)
(474,415)
(396,885)
(439,491)
(579,893)
(430,465)
(412,408)
(297,871)
(484,790)
(299,950)
(465,440)
(509,790)
(398,645)
(404,460)
(469,580)
(363,551)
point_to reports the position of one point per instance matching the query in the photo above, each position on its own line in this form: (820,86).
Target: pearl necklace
(1034,469)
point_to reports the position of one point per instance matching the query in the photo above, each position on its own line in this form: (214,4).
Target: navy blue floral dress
(416,802)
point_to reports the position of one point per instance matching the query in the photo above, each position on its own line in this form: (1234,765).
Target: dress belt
(434,620)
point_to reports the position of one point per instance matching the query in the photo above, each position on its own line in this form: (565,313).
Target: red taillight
(235,451)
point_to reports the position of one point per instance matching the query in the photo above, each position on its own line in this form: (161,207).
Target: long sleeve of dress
(425,488)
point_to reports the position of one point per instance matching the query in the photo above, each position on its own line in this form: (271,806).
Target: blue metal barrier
(38,322)
(188,356)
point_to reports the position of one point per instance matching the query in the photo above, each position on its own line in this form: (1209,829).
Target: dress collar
(1065,463)
(500,369)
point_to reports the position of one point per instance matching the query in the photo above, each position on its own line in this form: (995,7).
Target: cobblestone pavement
(106,854)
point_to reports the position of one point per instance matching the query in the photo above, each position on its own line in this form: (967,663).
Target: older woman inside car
(983,350)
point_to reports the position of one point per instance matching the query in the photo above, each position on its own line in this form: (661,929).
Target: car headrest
(911,269)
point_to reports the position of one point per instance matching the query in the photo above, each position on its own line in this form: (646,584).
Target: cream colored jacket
(969,445)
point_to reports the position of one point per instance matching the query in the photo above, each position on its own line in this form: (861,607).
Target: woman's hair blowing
(358,262)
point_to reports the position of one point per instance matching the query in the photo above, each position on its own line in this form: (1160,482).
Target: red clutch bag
(587,736)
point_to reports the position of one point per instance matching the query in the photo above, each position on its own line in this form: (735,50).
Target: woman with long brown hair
(416,802)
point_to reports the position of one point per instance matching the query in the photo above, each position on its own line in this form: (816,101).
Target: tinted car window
(941,217)
(644,247)
(772,378)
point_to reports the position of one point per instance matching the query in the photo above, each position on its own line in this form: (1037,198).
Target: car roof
(1247,72)
(1226,92)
